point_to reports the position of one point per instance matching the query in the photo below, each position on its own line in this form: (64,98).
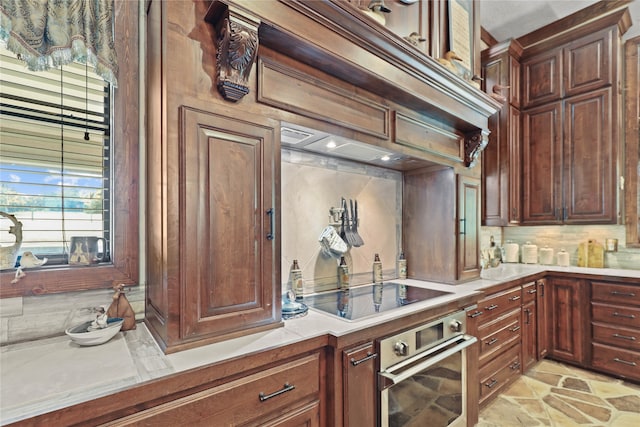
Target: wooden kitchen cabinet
(501,160)
(543,313)
(497,323)
(615,326)
(212,229)
(529,325)
(569,319)
(359,386)
(430,197)
(569,139)
(468,228)
(285,395)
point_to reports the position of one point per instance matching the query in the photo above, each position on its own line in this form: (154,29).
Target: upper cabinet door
(542,78)
(228,250)
(588,64)
(469,227)
(589,159)
(542,165)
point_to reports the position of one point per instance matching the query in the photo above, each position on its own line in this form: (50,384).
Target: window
(124,157)
(54,157)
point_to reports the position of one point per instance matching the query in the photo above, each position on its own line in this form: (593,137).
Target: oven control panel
(395,348)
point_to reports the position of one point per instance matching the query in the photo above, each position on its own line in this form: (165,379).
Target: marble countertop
(49,374)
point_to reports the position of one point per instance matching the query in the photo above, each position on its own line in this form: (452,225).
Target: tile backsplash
(311,186)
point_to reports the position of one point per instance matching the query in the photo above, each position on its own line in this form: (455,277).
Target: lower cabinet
(569,319)
(359,386)
(615,326)
(529,326)
(543,309)
(284,395)
(498,325)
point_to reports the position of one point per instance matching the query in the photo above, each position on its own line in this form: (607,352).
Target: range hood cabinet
(336,38)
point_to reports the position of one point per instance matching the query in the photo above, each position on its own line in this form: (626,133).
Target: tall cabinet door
(589,159)
(542,164)
(468,227)
(228,253)
(569,319)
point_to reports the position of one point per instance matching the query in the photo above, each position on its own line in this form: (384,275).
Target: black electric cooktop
(368,300)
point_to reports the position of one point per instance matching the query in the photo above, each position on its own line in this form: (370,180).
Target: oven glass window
(429,336)
(432,397)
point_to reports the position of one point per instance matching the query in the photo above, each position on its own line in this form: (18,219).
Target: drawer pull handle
(492,383)
(369,356)
(514,298)
(615,359)
(515,365)
(476,314)
(287,387)
(492,307)
(623,294)
(515,328)
(626,316)
(625,337)
(492,341)
(532,291)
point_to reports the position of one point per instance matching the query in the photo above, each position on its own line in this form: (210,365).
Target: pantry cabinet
(569,125)
(501,160)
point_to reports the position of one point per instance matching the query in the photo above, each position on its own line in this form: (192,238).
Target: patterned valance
(50,33)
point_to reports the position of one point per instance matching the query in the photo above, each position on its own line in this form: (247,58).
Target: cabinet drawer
(616,314)
(246,400)
(617,361)
(499,334)
(497,304)
(616,335)
(529,292)
(615,293)
(499,372)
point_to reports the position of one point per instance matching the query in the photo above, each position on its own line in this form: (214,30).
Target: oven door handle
(388,378)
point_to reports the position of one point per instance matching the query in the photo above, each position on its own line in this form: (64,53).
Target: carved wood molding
(474,144)
(237,49)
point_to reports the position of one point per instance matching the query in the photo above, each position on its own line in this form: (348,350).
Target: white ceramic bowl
(81,335)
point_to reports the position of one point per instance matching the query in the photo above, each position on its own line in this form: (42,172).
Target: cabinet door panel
(359,383)
(587,63)
(543,306)
(542,164)
(542,78)
(469,227)
(569,319)
(589,159)
(226,256)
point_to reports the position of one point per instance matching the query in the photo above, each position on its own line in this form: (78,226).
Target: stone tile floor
(558,395)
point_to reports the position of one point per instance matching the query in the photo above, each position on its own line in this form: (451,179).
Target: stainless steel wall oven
(422,379)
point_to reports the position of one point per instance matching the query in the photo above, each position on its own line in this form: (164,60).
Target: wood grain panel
(427,137)
(587,64)
(292,90)
(360,388)
(569,319)
(542,161)
(589,159)
(228,183)
(542,78)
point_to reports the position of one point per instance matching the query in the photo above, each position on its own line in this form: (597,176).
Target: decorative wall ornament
(474,143)
(9,254)
(237,52)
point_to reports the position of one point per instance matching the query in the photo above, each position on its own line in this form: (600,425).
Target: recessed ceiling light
(385,158)
(331,144)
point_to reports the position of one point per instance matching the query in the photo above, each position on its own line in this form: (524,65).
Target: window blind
(52,179)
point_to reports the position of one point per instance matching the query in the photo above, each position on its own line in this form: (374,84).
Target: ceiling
(505,19)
